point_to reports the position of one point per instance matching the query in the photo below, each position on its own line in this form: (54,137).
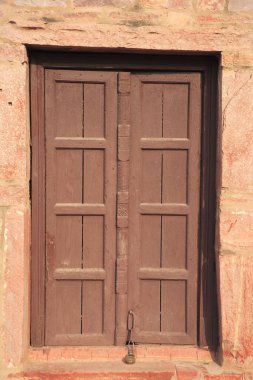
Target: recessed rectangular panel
(68,176)
(175,110)
(149,305)
(68,244)
(93,176)
(151,103)
(173,306)
(151,176)
(94,110)
(174,178)
(93,241)
(92,307)
(150,241)
(174,241)
(66,296)
(69,109)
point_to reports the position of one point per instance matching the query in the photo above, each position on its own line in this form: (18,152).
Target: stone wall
(224,26)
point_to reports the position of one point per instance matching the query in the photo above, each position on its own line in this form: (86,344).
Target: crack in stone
(235,94)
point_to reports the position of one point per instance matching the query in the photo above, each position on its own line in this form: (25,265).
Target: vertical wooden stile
(38,206)
(122,205)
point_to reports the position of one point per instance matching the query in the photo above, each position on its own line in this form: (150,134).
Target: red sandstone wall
(197,25)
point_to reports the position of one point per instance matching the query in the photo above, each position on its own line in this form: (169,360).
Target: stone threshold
(142,352)
(118,370)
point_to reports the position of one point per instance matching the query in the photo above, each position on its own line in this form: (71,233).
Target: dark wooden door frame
(208,67)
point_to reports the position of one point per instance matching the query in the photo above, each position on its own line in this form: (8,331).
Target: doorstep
(118,370)
(111,353)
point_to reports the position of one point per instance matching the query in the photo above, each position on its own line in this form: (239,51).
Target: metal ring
(130,315)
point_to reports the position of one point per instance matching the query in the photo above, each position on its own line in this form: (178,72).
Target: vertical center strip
(122,206)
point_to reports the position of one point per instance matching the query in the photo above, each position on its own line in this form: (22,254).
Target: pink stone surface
(236,222)
(236,289)
(179,4)
(42,3)
(146,352)
(213,5)
(237,129)
(13,193)
(235,59)
(15,332)
(13,121)
(243,5)
(119,3)
(166,25)
(119,371)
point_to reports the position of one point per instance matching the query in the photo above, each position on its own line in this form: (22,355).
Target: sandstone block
(237,5)
(212,5)
(244,59)
(15,330)
(116,352)
(187,373)
(236,287)
(236,223)
(117,3)
(14,108)
(13,53)
(237,129)
(42,3)
(2,217)
(13,194)
(179,4)
(154,3)
(183,353)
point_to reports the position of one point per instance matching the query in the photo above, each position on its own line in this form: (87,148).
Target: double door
(122,180)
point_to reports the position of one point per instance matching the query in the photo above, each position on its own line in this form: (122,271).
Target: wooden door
(132,136)
(164,206)
(81,125)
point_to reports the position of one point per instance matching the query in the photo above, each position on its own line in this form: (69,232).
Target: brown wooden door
(83,111)
(81,125)
(164,206)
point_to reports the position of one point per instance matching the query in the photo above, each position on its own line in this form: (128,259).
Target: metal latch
(130,357)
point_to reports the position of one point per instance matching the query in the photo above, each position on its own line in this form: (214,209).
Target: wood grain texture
(38,207)
(70,85)
(123,146)
(164,206)
(80,206)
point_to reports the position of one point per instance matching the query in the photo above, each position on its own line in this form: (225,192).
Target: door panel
(164,206)
(74,207)
(81,185)
(81,126)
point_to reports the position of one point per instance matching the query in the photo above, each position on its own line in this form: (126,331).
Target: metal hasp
(130,357)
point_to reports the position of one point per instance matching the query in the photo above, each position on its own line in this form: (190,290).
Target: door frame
(208,66)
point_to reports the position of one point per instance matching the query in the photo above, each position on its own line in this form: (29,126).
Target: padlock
(130,357)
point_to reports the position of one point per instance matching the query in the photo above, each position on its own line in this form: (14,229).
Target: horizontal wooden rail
(162,274)
(164,143)
(79,143)
(164,209)
(79,274)
(79,209)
